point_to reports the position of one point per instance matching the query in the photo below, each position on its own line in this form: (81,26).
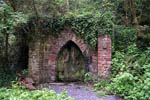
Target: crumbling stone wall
(43,56)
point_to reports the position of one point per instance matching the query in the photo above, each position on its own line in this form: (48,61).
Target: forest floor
(79,91)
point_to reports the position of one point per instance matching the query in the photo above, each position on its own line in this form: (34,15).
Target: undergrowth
(130,75)
(19,93)
(6,78)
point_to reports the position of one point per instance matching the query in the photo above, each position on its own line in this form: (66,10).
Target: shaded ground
(79,92)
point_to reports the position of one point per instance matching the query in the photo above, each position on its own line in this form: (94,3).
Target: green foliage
(9,20)
(101,94)
(131,72)
(132,61)
(17,93)
(88,26)
(88,78)
(101,84)
(123,37)
(6,78)
(122,84)
(88,19)
(25,73)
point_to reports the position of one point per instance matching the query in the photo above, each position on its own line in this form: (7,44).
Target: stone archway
(43,55)
(44,52)
(71,64)
(61,41)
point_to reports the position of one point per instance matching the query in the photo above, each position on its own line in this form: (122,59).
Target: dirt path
(79,92)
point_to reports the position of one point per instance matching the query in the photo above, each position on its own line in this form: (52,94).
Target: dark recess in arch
(69,45)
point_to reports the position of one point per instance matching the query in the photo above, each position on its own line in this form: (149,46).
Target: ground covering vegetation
(20,93)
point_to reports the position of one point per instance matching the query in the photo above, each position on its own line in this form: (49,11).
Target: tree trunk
(126,12)
(6,51)
(133,12)
(34,8)
(6,34)
(67,6)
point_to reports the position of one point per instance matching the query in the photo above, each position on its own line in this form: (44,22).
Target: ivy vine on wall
(89,27)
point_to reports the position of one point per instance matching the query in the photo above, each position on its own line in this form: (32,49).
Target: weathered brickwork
(43,56)
(104,56)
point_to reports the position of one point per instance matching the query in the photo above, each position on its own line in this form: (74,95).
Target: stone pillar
(34,61)
(104,56)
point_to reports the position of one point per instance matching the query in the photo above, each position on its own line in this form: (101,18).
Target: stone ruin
(53,58)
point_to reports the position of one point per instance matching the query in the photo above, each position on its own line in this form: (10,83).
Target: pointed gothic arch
(64,38)
(43,56)
(70,63)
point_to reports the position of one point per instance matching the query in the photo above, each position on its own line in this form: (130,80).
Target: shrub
(88,78)
(101,84)
(121,84)
(6,78)
(130,87)
(131,74)
(17,93)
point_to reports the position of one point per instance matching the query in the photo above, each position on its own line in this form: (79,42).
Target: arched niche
(43,56)
(71,63)
(65,38)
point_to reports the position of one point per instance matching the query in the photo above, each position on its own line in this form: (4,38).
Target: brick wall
(43,56)
(104,56)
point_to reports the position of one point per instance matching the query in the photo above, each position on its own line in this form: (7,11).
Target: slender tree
(133,12)
(67,6)
(126,12)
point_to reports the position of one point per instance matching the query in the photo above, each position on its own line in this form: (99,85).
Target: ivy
(88,26)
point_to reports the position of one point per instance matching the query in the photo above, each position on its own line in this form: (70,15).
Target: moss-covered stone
(70,63)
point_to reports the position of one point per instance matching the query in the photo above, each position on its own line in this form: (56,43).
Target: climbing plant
(88,26)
